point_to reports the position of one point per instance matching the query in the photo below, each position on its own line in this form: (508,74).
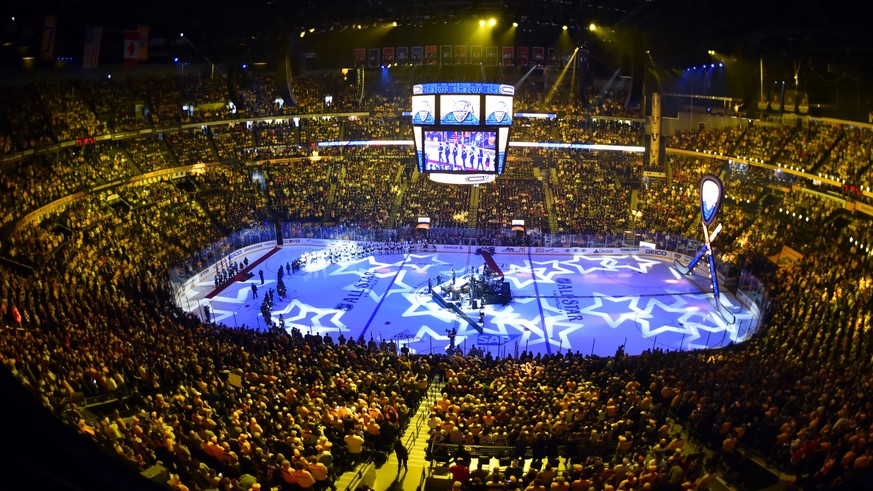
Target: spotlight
(592,27)
(482,23)
(492,22)
(515,24)
(394,23)
(564,27)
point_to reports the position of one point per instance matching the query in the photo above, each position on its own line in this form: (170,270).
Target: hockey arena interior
(383,245)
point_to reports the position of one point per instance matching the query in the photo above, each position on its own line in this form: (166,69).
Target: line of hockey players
(225,270)
(350,252)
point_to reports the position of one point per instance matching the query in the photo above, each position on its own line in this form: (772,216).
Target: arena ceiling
(674,32)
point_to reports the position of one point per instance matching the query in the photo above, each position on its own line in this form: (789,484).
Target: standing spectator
(402,456)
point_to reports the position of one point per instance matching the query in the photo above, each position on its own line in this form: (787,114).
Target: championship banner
(402,55)
(460,54)
(711,195)
(446,55)
(523,58)
(360,57)
(387,56)
(49,34)
(508,55)
(430,55)
(553,57)
(655,140)
(491,55)
(475,54)
(538,55)
(373,59)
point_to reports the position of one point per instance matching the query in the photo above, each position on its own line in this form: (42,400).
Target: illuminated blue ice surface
(591,304)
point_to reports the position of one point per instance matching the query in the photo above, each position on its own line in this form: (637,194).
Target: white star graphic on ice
(549,270)
(610,263)
(304,316)
(635,314)
(367,264)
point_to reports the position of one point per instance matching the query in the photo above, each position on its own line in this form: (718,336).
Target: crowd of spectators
(366,190)
(191,147)
(446,206)
(850,158)
(233,199)
(512,199)
(589,194)
(809,145)
(299,189)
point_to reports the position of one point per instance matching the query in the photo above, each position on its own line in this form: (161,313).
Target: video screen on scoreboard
(460,109)
(423,109)
(459,151)
(498,110)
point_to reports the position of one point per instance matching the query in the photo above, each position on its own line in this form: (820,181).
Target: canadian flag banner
(133,45)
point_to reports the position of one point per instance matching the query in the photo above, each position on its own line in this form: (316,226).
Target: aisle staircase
(473,210)
(551,214)
(396,206)
(388,476)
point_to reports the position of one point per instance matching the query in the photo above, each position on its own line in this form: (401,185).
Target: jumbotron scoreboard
(461,130)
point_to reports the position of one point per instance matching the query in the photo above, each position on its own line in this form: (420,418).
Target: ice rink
(587,301)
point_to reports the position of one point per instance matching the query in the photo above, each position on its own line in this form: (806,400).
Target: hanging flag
(360,57)
(93,36)
(144,42)
(49,33)
(132,45)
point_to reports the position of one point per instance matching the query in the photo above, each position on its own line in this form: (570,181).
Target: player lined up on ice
(345,253)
